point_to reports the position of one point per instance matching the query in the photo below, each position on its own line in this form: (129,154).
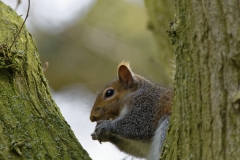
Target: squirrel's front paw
(102,131)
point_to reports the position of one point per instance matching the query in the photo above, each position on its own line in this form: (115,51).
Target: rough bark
(31,125)
(205,122)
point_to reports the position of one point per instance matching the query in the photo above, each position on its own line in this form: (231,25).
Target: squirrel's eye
(109,93)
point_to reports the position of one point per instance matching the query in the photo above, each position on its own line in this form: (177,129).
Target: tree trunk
(31,125)
(205,122)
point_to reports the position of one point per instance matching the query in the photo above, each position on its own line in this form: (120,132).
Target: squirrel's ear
(125,74)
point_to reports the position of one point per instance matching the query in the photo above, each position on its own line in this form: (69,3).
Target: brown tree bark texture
(206,107)
(31,125)
(205,123)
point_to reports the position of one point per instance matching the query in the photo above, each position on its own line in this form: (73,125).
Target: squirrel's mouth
(111,119)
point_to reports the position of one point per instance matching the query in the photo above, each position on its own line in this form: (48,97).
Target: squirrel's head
(111,100)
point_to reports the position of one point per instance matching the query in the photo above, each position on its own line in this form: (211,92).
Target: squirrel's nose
(92,118)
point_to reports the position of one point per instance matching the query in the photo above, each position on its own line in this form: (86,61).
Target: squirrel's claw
(94,137)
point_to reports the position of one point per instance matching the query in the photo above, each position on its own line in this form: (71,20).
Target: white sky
(54,16)
(51,15)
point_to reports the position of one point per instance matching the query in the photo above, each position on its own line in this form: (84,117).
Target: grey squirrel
(133,114)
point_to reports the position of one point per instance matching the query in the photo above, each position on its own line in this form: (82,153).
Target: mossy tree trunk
(205,121)
(31,125)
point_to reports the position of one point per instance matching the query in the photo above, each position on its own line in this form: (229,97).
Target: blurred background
(83,42)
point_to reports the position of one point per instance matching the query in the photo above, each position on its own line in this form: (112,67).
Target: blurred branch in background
(18,3)
(90,44)
(160,25)
(111,31)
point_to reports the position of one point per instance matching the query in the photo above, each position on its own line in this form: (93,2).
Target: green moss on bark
(205,117)
(31,125)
